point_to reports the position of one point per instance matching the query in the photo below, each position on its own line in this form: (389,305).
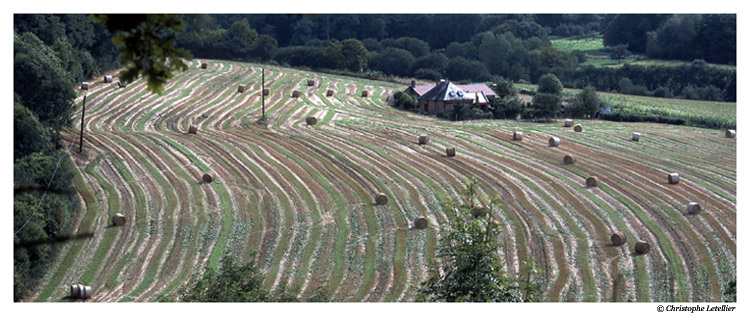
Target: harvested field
(301,198)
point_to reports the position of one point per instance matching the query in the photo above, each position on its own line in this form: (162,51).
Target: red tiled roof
(476,88)
(422,89)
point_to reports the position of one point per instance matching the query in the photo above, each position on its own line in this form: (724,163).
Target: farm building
(445,95)
(419,90)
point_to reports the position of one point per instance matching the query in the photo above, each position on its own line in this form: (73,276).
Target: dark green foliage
(233,282)
(585,104)
(504,88)
(730,292)
(147,45)
(265,48)
(546,105)
(429,74)
(695,36)
(354,55)
(619,52)
(460,68)
(29,136)
(434,61)
(509,107)
(631,29)
(394,61)
(468,267)
(404,100)
(41,82)
(549,83)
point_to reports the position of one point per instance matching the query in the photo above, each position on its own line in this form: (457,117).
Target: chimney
(413,83)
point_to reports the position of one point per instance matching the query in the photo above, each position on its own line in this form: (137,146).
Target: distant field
(598,57)
(693,112)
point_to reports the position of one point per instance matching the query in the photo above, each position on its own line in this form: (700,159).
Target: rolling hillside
(300,198)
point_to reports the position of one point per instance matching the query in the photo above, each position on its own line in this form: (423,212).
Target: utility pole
(83,112)
(263,92)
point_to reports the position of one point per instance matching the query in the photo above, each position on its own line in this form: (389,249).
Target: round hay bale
(420,222)
(207,178)
(569,159)
(592,182)
(636,136)
(310,83)
(85,292)
(568,122)
(295,94)
(450,152)
(578,128)
(693,208)
(84,85)
(75,291)
(193,130)
(423,140)
(204,65)
(365,93)
(122,84)
(311,120)
(266,92)
(618,238)
(107,79)
(517,136)
(241,89)
(673,178)
(381,199)
(479,211)
(731,133)
(119,220)
(329,93)
(554,141)
(642,247)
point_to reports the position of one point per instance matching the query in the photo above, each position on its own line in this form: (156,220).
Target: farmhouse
(446,95)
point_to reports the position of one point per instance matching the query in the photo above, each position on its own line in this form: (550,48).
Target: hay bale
(204,65)
(450,152)
(423,140)
(119,219)
(642,247)
(266,92)
(295,94)
(84,85)
(592,182)
(75,291)
(693,208)
(569,159)
(311,120)
(241,89)
(673,178)
(381,199)
(618,238)
(122,84)
(85,292)
(329,93)
(310,83)
(554,141)
(365,93)
(731,133)
(207,178)
(636,136)
(107,79)
(517,136)
(568,122)
(578,128)
(193,130)
(479,211)
(420,222)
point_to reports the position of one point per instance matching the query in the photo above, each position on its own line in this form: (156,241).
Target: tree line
(477,47)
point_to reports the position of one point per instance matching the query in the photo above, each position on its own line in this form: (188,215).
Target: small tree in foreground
(468,266)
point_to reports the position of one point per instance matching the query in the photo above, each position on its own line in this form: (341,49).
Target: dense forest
(53,53)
